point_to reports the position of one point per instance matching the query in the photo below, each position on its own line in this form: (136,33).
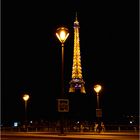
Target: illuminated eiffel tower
(77,82)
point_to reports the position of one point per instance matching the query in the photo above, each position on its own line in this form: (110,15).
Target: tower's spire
(77,82)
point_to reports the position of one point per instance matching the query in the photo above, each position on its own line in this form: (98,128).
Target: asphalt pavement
(132,135)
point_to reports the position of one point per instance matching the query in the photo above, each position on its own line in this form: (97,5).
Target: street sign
(63,105)
(98,112)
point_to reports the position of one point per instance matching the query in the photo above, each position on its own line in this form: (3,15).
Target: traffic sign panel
(98,112)
(63,105)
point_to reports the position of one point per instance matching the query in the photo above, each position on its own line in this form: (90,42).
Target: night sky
(31,57)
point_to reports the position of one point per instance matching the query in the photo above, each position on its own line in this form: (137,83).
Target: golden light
(62,34)
(25,97)
(97,88)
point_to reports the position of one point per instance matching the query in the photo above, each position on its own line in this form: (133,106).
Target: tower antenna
(76,16)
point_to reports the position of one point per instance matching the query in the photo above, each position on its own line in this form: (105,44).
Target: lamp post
(26,98)
(62,34)
(97,89)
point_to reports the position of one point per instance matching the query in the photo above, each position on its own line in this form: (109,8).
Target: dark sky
(31,56)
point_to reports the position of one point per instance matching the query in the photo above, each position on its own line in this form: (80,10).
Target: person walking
(95,127)
(103,127)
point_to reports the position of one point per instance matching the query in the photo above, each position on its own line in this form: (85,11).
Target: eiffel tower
(77,82)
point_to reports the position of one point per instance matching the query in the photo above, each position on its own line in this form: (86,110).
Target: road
(78,136)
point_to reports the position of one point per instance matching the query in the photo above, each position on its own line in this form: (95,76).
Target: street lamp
(97,89)
(26,98)
(62,34)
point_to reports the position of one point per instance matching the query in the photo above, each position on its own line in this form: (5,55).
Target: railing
(73,128)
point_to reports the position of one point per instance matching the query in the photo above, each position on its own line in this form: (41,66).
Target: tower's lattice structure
(77,82)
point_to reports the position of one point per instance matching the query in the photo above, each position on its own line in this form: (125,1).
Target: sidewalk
(92,133)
